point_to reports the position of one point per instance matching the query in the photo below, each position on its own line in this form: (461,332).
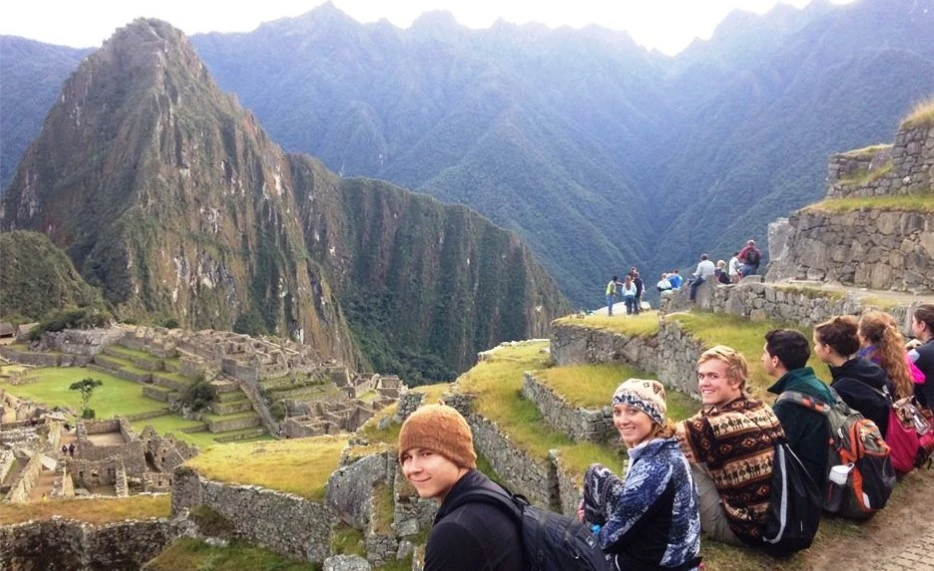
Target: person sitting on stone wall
(751,257)
(730,444)
(721,273)
(735,267)
(675,279)
(437,457)
(663,286)
(705,270)
(649,520)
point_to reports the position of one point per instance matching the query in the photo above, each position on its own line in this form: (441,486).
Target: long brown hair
(666,430)
(880,329)
(925,314)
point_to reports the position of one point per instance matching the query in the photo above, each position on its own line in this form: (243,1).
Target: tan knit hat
(646,395)
(442,429)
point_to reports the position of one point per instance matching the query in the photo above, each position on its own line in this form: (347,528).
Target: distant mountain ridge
(598,153)
(171,198)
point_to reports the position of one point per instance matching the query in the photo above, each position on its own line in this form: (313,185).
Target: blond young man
(730,445)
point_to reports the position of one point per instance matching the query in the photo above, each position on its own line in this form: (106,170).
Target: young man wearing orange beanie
(437,457)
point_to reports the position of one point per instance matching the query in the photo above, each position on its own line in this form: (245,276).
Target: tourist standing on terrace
(437,457)
(611,294)
(922,325)
(730,444)
(650,519)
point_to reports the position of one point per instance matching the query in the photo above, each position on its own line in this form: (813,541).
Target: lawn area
(592,386)
(188,553)
(907,203)
(497,383)
(115,397)
(300,466)
(747,337)
(98,511)
(643,325)
(174,424)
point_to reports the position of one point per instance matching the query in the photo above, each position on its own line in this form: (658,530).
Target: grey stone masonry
(677,358)
(573,345)
(350,488)
(285,523)
(68,545)
(866,248)
(580,424)
(905,167)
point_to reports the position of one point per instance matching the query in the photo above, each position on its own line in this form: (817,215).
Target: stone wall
(350,488)
(580,424)
(59,544)
(234,423)
(80,341)
(25,481)
(677,358)
(905,167)
(569,491)
(573,345)
(29,357)
(867,248)
(286,523)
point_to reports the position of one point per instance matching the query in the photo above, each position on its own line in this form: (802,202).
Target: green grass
(98,511)
(587,386)
(812,292)
(301,466)
(747,337)
(133,353)
(174,424)
(922,115)
(383,509)
(861,177)
(906,203)
(643,325)
(173,376)
(188,553)
(879,302)
(115,397)
(496,385)
(871,149)
(346,540)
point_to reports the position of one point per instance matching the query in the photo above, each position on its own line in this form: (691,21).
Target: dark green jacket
(806,430)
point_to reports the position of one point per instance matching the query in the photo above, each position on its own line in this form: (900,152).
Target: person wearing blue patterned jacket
(649,520)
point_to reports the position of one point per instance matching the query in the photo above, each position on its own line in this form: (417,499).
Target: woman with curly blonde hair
(882,342)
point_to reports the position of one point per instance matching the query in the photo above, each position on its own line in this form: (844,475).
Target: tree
(86,386)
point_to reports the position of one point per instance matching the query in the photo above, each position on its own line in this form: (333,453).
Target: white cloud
(668,25)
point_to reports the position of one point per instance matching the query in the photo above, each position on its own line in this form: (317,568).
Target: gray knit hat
(645,395)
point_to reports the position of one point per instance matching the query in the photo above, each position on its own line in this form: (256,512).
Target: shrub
(170,323)
(88,413)
(198,396)
(82,318)
(278,411)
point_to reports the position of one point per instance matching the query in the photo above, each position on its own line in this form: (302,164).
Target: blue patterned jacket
(650,520)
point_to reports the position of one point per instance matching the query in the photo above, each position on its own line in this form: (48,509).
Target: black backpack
(752,257)
(795,510)
(550,541)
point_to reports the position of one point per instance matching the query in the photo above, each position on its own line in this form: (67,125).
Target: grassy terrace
(97,511)
(132,353)
(747,337)
(643,325)
(496,385)
(301,467)
(908,203)
(921,115)
(188,553)
(175,424)
(591,386)
(114,397)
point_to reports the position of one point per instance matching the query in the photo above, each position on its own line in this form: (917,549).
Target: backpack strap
(807,401)
(510,504)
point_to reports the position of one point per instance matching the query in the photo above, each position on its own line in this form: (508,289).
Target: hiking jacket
(923,358)
(854,381)
(806,430)
(473,536)
(650,520)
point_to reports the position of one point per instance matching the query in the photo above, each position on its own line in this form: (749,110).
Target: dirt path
(898,538)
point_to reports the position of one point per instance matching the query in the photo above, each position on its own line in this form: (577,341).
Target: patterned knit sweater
(737,444)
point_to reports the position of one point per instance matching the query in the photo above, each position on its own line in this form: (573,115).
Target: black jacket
(473,536)
(854,381)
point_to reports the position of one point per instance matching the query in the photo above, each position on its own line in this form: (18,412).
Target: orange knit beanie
(442,429)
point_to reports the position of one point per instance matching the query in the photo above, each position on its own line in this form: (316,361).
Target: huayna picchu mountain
(171,197)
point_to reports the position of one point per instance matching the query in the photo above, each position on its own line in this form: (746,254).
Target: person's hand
(580,515)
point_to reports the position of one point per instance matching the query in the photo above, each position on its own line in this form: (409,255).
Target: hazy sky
(667,25)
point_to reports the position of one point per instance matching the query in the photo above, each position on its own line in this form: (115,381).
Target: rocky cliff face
(171,197)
